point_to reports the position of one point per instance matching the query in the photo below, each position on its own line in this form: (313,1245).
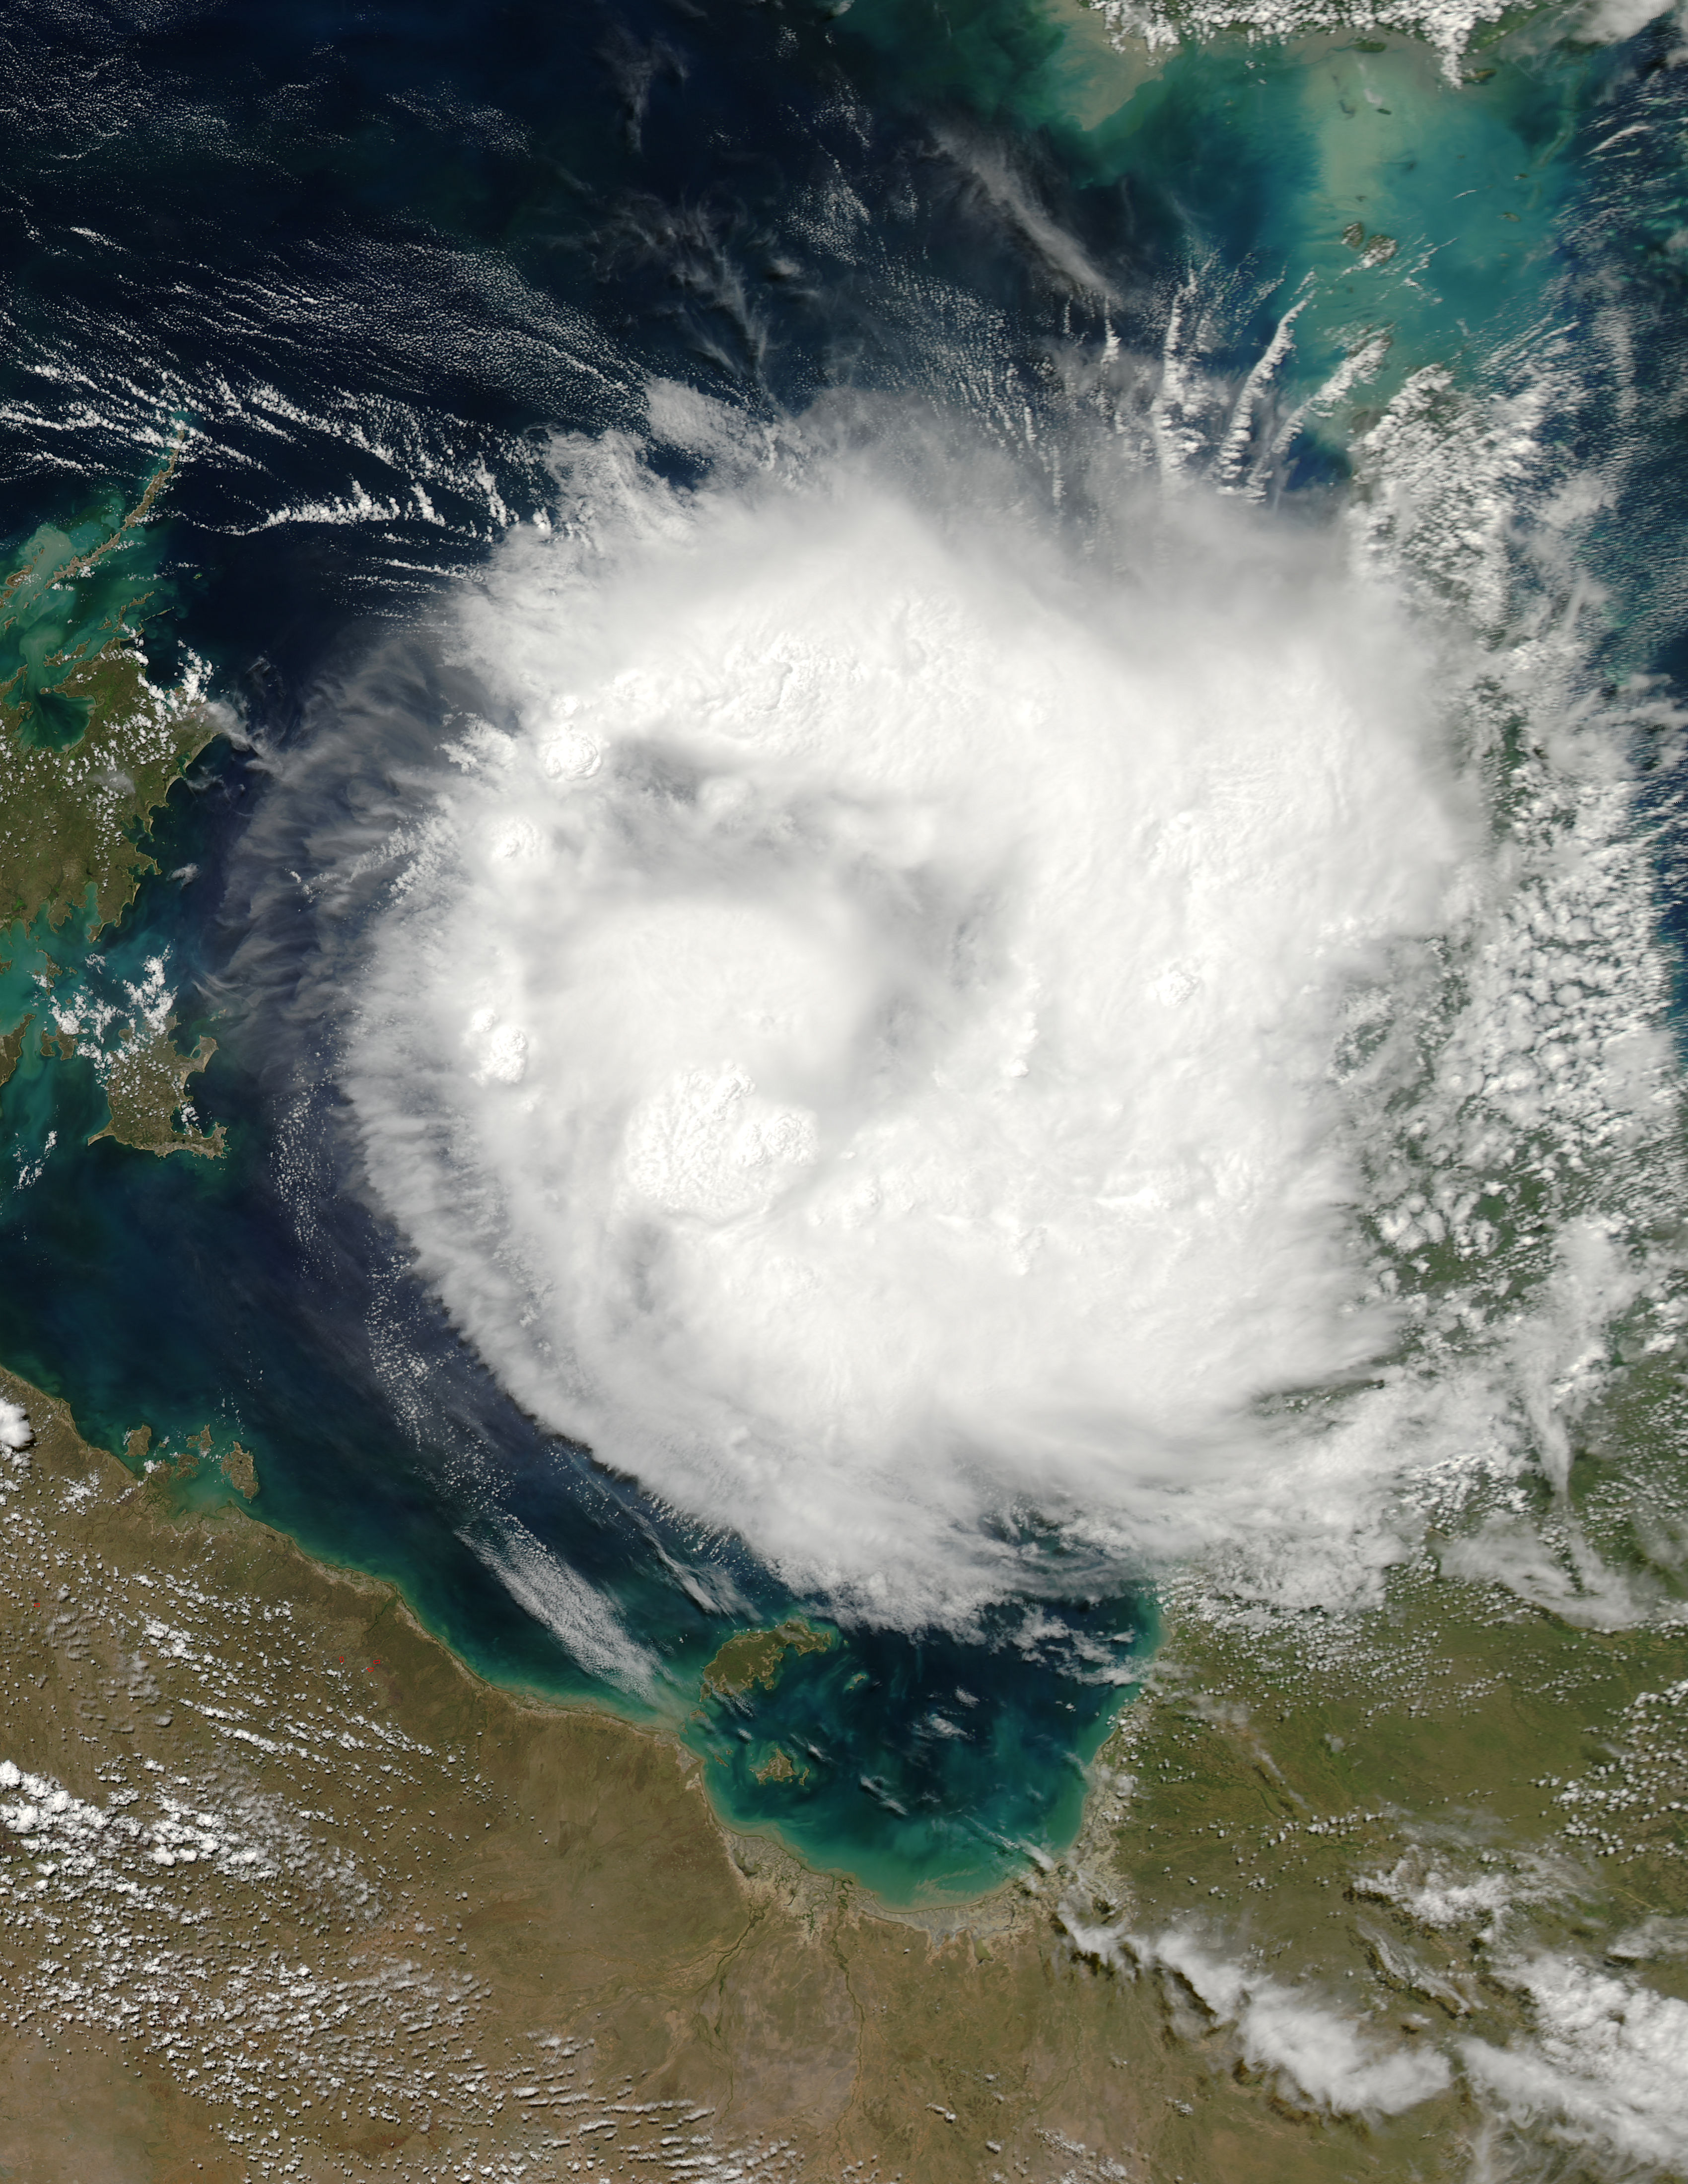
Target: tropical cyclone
(857,1050)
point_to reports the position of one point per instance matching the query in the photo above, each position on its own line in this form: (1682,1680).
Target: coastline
(288,1889)
(695,1965)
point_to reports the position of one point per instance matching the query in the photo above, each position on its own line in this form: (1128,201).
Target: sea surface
(378,259)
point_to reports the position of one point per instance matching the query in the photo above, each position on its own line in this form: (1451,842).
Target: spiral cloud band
(853,1045)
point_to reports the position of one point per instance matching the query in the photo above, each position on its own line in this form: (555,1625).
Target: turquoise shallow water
(1254,159)
(420,301)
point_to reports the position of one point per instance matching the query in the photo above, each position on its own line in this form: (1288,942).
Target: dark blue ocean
(376,257)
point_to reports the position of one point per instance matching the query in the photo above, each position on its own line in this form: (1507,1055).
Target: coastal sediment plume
(852,1042)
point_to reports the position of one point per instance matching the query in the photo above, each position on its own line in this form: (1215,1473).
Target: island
(90,747)
(755,1658)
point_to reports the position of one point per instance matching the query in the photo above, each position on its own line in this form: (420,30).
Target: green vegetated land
(146,1087)
(89,748)
(1420,1816)
(755,1658)
(284,1889)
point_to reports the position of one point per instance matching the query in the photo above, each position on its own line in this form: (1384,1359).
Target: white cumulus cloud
(1319,2057)
(1606,2066)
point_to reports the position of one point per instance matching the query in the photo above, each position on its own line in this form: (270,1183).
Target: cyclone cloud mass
(852,1040)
